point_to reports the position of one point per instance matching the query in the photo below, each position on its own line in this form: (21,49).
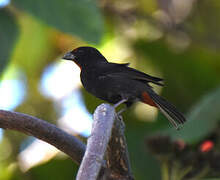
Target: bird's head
(85,56)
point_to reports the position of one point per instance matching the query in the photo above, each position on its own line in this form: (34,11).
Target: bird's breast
(91,80)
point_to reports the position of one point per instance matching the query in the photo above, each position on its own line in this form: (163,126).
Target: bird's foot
(121,111)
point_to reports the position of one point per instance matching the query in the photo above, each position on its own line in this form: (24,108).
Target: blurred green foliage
(202,119)
(181,46)
(68,16)
(8,34)
(53,169)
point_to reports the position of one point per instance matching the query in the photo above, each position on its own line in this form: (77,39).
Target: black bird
(118,83)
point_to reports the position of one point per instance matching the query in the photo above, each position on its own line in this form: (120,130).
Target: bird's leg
(122,110)
(120,102)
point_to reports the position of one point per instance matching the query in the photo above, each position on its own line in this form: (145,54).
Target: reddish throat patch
(147,99)
(78,65)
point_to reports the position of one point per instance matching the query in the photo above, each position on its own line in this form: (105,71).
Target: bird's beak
(68,56)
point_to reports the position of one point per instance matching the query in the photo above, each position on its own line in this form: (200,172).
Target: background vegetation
(176,40)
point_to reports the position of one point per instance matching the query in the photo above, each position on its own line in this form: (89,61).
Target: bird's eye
(77,50)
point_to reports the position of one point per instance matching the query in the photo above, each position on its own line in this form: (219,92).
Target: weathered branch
(45,131)
(117,156)
(106,156)
(97,143)
(107,138)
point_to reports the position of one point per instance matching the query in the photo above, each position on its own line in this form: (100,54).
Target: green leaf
(8,34)
(202,119)
(78,17)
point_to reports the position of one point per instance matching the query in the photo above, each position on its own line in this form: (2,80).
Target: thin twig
(45,131)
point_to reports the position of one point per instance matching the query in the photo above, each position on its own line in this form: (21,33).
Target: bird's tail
(172,114)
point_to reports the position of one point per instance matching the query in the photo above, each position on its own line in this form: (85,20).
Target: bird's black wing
(122,70)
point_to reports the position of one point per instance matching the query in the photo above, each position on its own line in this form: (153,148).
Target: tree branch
(97,143)
(106,157)
(107,138)
(117,156)
(45,131)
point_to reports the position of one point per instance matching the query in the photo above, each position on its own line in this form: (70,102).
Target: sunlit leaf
(8,33)
(81,18)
